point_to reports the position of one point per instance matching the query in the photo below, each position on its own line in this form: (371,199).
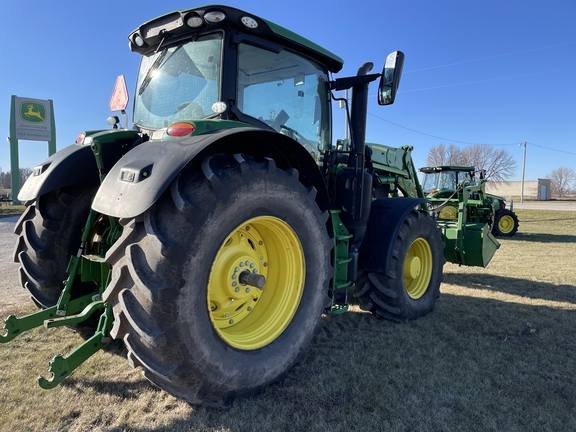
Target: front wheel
(409,289)
(505,223)
(49,233)
(219,287)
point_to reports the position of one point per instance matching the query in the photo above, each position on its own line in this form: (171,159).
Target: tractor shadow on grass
(515,286)
(471,355)
(540,238)
(113,387)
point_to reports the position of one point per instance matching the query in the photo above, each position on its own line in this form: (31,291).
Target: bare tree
(24,174)
(561,179)
(498,164)
(5,180)
(440,155)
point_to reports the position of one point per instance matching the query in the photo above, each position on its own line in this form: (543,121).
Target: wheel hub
(418,265)
(505,224)
(256,282)
(412,267)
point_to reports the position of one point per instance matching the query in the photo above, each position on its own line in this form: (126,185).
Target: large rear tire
(410,288)
(181,305)
(49,233)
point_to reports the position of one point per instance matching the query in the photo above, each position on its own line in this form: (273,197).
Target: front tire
(49,233)
(196,330)
(411,286)
(505,223)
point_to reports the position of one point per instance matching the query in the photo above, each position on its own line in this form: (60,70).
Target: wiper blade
(150,74)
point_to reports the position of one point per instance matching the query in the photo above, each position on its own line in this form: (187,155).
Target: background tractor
(211,236)
(441,183)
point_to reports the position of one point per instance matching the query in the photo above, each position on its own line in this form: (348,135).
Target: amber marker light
(180,129)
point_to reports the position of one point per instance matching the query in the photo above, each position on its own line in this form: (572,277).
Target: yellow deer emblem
(32,113)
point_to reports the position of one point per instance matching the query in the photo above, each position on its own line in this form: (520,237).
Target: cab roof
(181,24)
(433,169)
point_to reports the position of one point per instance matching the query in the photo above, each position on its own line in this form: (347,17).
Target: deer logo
(32,113)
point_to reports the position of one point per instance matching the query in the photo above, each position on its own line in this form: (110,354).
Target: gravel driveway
(13,296)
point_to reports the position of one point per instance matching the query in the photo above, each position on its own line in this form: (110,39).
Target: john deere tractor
(212,234)
(441,184)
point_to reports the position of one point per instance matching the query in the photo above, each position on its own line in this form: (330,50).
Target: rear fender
(386,218)
(142,175)
(76,164)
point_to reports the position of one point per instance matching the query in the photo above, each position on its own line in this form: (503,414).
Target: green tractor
(464,222)
(212,235)
(440,185)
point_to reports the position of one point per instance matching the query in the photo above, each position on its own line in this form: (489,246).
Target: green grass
(7,209)
(497,354)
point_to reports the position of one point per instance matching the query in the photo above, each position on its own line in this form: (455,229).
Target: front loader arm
(394,168)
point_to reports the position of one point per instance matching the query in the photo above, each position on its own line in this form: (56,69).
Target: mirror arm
(349,82)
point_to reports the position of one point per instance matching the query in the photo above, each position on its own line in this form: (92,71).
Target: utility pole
(523,171)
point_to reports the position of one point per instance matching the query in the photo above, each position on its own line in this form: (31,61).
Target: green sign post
(33,120)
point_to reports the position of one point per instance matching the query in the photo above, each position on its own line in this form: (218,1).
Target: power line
(438,137)
(553,149)
(483,81)
(489,57)
(467,142)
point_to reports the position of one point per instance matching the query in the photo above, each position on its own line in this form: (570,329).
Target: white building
(533,190)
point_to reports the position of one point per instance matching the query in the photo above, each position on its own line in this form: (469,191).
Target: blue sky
(491,72)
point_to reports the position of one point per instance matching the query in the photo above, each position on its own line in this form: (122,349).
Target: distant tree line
(498,164)
(6,178)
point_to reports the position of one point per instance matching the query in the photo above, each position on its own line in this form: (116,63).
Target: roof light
(80,137)
(214,17)
(194,21)
(138,40)
(249,22)
(180,129)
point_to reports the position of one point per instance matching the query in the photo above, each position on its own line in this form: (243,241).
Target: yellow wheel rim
(506,224)
(245,316)
(418,268)
(448,212)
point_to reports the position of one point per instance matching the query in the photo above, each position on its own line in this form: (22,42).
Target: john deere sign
(33,119)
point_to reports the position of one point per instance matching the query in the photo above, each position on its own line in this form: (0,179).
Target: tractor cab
(205,65)
(442,181)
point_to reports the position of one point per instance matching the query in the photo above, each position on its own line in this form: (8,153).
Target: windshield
(178,83)
(287,92)
(444,180)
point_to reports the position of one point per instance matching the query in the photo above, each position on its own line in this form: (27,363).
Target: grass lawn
(497,354)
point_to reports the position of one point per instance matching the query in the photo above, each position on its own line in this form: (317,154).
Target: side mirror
(390,79)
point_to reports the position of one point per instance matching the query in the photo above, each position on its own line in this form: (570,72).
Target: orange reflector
(180,129)
(80,137)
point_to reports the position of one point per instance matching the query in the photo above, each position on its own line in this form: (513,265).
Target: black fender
(138,179)
(76,164)
(386,218)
